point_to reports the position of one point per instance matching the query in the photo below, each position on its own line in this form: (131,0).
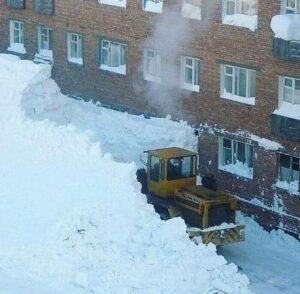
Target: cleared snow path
(72,219)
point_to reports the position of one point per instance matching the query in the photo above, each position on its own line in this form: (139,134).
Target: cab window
(181,167)
(154,169)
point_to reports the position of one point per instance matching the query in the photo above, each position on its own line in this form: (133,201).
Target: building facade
(231,68)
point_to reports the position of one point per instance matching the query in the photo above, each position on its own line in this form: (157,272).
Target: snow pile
(239,169)
(240,99)
(44,55)
(286,26)
(121,69)
(191,11)
(242,20)
(72,219)
(266,143)
(120,3)
(17,48)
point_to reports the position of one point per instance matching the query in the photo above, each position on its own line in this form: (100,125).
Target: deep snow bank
(72,219)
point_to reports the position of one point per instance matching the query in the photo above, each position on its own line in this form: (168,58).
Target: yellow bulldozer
(169,182)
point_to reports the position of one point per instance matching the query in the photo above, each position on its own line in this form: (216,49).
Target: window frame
(195,67)
(20,30)
(40,34)
(78,59)
(157,62)
(238,7)
(289,9)
(283,86)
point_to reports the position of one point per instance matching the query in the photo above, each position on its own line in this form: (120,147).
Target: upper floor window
(241,13)
(288,172)
(290,90)
(45,43)
(17,37)
(236,157)
(44,6)
(75,50)
(238,84)
(153,5)
(191,9)
(152,65)
(189,73)
(113,56)
(291,6)
(16,3)
(120,3)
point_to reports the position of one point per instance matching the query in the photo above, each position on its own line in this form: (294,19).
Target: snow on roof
(286,26)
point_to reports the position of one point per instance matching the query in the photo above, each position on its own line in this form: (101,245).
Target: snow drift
(72,219)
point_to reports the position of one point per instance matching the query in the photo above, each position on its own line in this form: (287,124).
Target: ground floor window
(75,48)
(288,172)
(236,157)
(189,72)
(113,56)
(17,37)
(45,42)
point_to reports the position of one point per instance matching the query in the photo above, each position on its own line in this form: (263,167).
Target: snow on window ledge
(190,87)
(45,55)
(288,110)
(152,6)
(76,60)
(242,20)
(292,187)
(17,48)
(119,3)
(245,100)
(151,78)
(239,169)
(286,26)
(191,11)
(116,69)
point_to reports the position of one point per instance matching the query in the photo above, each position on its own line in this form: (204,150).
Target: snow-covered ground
(72,219)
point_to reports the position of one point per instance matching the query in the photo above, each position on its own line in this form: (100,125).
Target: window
(17,37)
(152,65)
(238,84)
(191,9)
(236,157)
(290,89)
(291,6)
(154,169)
(120,3)
(44,6)
(241,13)
(45,42)
(190,73)
(113,57)
(288,170)
(75,48)
(153,5)
(16,3)
(181,167)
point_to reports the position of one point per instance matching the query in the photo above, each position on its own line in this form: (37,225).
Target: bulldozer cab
(169,169)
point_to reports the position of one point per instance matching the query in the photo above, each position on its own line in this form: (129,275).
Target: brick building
(216,63)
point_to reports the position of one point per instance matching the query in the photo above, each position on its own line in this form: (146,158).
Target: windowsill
(238,169)
(189,87)
(191,11)
(152,79)
(78,61)
(117,3)
(289,187)
(118,70)
(241,20)
(289,110)
(240,99)
(17,48)
(44,54)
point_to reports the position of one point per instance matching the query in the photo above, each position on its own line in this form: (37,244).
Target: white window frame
(195,67)
(148,76)
(78,58)
(238,7)
(283,86)
(197,6)
(234,146)
(287,9)
(122,67)
(41,34)
(118,3)
(144,6)
(20,31)
(250,75)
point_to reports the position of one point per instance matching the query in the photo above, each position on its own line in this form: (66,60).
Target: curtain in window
(297,92)
(227,151)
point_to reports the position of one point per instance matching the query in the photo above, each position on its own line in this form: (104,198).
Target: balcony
(286,43)
(286,127)
(44,6)
(20,4)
